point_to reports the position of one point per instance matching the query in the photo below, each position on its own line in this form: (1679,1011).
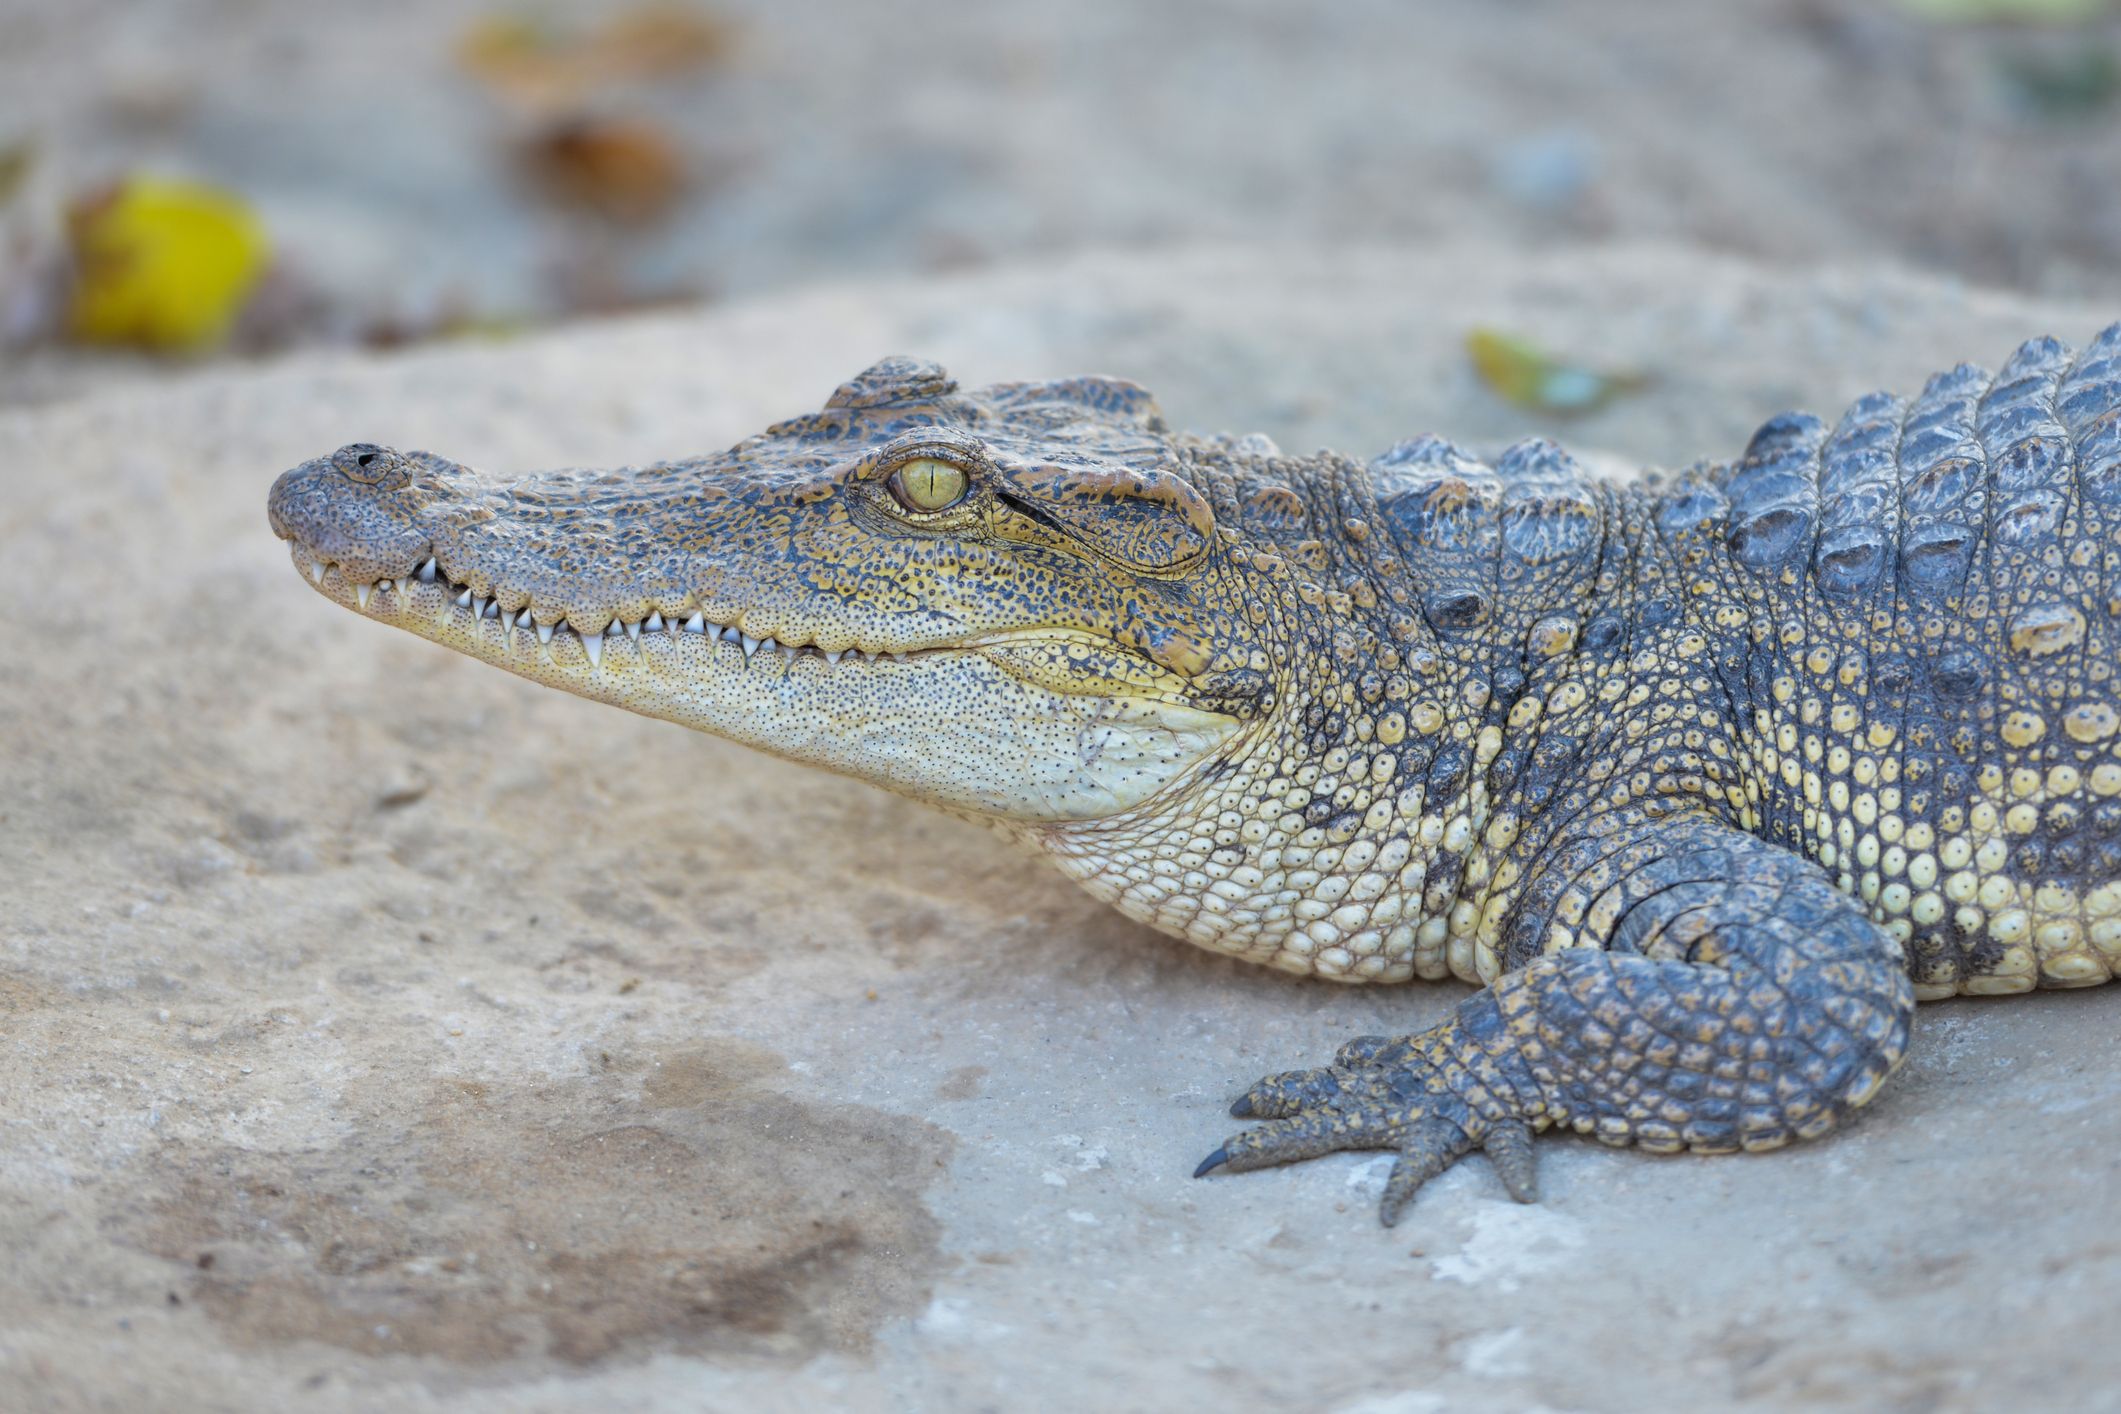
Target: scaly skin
(1704,783)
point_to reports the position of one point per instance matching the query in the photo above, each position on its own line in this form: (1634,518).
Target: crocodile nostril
(367,463)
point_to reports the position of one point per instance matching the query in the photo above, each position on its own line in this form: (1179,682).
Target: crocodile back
(1933,586)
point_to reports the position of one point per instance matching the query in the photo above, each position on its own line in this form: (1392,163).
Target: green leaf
(1528,376)
(1960,12)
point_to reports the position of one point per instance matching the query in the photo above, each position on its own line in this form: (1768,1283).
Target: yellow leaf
(162,264)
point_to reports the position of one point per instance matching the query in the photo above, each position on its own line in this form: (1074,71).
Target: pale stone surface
(382,1032)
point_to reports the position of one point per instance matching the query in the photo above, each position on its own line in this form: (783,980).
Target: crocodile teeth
(544,632)
(361,593)
(484,608)
(833,656)
(427,571)
(698,624)
(655,622)
(751,645)
(464,600)
(316,572)
(523,619)
(633,631)
(593,645)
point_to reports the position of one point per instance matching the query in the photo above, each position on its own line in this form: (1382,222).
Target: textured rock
(381,1031)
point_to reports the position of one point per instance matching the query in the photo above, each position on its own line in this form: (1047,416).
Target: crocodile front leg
(1673,983)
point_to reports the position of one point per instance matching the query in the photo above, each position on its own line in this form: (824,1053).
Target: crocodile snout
(360,507)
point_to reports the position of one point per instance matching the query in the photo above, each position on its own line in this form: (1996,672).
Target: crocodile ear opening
(1146,520)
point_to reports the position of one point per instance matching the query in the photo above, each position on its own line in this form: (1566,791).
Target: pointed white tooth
(544,633)
(593,645)
(833,656)
(698,624)
(655,622)
(361,593)
(481,606)
(427,571)
(751,645)
(316,572)
(871,655)
(898,657)
(633,631)
(464,599)
(523,620)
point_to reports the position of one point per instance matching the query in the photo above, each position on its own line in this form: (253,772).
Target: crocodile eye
(929,484)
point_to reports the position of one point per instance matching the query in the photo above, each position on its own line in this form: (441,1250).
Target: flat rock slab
(383,1032)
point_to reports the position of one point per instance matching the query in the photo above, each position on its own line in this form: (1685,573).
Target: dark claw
(1214,1161)
(1509,1149)
(1433,1146)
(1241,1108)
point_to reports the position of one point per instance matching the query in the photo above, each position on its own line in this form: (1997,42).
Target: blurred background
(191,180)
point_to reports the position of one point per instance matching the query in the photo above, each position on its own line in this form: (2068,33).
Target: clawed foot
(1381,1093)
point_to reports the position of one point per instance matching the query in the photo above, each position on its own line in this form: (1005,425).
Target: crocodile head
(1009,602)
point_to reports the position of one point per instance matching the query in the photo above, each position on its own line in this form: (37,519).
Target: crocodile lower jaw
(943,723)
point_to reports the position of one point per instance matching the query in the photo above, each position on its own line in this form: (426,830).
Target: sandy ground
(382,1032)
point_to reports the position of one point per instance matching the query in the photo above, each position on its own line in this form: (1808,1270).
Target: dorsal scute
(2022,428)
(1774,491)
(2089,405)
(1859,487)
(1693,505)
(1933,487)
(1438,497)
(1943,463)
(1549,511)
(1420,458)
(2018,424)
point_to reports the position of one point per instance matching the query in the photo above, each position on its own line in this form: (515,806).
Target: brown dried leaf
(627,171)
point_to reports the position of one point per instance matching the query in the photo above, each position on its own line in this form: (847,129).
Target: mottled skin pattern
(1705,783)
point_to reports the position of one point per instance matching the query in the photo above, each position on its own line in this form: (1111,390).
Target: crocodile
(1703,780)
